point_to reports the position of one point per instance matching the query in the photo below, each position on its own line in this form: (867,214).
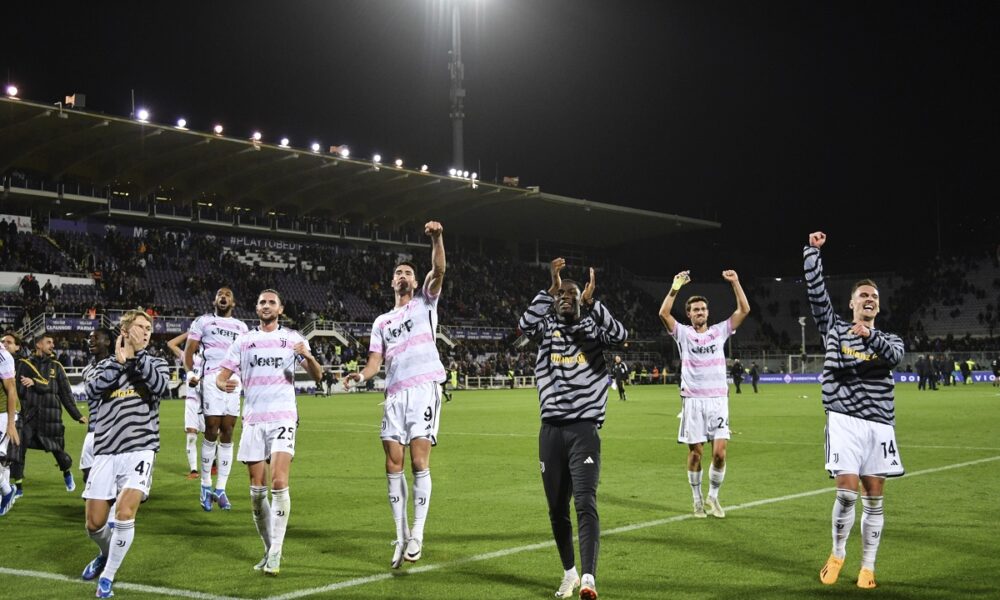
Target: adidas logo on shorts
(589,461)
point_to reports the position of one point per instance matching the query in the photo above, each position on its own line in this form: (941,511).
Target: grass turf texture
(939,539)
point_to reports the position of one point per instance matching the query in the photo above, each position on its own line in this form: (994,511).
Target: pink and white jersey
(266,361)
(7,367)
(703,363)
(405,338)
(215,334)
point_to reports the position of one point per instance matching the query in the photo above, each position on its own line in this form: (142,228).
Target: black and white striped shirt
(92,402)
(857,372)
(570,372)
(128,403)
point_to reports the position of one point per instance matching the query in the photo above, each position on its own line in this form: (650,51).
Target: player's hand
(817,239)
(83,420)
(433,229)
(231,385)
(302,350)
(730,276)
(861,330)
(135,339)
(681,279)
(350,379)
(557,264)
(193,380)
(12,433)
(588,291)
(27,381)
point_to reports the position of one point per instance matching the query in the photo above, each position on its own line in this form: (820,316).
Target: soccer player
(99,345)
(266,357)
(704,388)
(405,339)
(572,379)
(858,397)
(619,371)
(194,418)
(127,388)
(8,429)
(210,336)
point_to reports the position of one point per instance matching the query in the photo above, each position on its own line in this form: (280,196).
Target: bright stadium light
(182,123)
(377,158)
(142,115)
(315,146)
(423,168)
(12,91)
(399,162)
(345,151)
(465,174)
(453,171)
(217,129)
(256,136)
(284,142)
(475,176)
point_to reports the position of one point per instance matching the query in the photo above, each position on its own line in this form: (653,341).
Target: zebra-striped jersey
(570,371)
(128,403)
(92,402)
(857,372)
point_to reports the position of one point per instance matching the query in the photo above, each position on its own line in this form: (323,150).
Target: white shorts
(87,452)
(4,440)
(259,440)
(703,420)
(412,413)
(193,417)
(861,447)
(113,473)
(216,403)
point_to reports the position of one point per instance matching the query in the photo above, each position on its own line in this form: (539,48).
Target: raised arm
(609,330)
(435,278)
(154,375)
(742,304)
(309,362)
(175,345)
(680,280)
(819,299)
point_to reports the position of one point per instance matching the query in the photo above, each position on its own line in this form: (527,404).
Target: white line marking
(625,528)
(149,589)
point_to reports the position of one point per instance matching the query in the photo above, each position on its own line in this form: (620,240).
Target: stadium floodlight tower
(457,93)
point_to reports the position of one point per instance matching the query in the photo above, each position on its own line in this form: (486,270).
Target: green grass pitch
(488,533)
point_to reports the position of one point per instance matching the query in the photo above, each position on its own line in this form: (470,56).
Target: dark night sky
(775,118)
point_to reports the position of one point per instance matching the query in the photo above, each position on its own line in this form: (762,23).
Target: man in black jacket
(41,385)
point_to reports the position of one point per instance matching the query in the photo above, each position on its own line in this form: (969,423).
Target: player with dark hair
(99,345)
(572,379)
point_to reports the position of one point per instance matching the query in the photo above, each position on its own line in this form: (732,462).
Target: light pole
(457,93)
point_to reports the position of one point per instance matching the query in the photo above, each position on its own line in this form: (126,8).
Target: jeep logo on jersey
(266,361)
(703,349)
(406,325)
(226,333)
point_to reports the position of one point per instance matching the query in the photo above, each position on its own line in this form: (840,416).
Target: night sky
(875,121)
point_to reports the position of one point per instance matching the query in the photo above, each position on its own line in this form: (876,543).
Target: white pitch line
(623,529)
(149,589)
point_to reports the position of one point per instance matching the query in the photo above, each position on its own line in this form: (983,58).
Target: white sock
(694,478)
(121,541)
(281,505)
(843,520)
(715,477)
(207,458)
(571,572)
(587,580)
(872,519)
(225,465)
(5,486)
(101,537)
(261,514)
(396,483)
(191,448)
(421,502)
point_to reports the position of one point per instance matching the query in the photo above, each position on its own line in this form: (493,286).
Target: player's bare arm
(435,278)
(11,388)
(817,239)
(174,344)
(224,380)
(370,370)
(742,304)
(680,280)
(310,364)
(189,350)
(557,265)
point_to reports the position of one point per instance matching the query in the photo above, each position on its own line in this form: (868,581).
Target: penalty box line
(623,529)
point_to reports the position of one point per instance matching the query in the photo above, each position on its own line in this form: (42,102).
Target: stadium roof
(188,166)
